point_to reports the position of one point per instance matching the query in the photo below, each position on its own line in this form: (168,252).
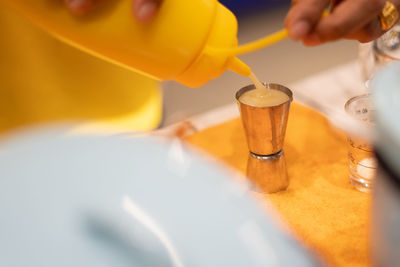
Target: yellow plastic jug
(191,42)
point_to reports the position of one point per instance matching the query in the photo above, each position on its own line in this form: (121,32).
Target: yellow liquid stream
(262,96)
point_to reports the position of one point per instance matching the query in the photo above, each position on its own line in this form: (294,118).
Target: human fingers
(352,19)
(368,33)
(348,17)
(303,16)
(145,10)
(79,7)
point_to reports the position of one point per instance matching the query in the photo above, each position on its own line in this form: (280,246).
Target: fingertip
(299,29)
(146,10)
(303,17)
(312,40)
(79,6)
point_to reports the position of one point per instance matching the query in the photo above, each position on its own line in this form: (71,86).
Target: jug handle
(255,45)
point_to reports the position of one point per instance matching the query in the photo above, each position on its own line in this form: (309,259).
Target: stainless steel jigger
(265,129)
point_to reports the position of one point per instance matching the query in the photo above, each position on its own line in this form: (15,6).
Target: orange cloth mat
(320,205)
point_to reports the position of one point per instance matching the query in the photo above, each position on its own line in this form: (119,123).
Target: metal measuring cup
(265,129)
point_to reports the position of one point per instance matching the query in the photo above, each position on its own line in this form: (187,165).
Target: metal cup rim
(354,98)
(349,113)
(273,86)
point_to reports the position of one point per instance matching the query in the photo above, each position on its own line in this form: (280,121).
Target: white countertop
(328,90)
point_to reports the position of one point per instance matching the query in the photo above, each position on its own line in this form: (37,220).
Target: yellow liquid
(262,96)
(257,83)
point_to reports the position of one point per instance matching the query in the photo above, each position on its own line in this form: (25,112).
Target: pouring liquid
(262,96)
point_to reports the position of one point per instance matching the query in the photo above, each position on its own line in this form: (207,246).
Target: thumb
(145,10)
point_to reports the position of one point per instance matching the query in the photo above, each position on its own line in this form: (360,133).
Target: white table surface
(328,90)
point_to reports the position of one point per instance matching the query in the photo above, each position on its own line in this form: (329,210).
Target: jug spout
(212,61)
(238,66)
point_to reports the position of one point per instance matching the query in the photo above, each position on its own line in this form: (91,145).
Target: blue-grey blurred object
(94,201)
(240,7)
(386,194)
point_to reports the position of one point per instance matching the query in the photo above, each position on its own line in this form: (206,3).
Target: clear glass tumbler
(362,161)
(377,54)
